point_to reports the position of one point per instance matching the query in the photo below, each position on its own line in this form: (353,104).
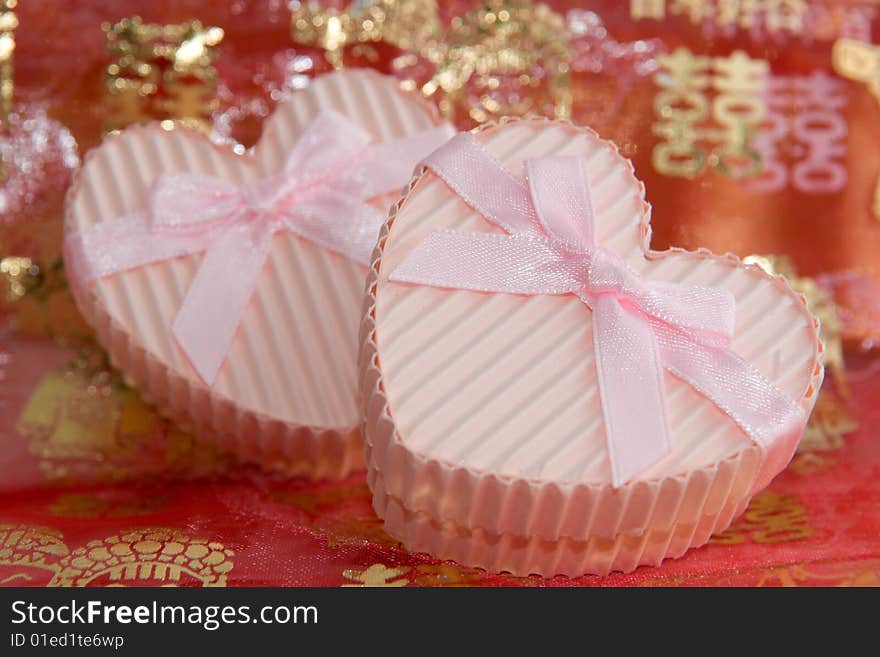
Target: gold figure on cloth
(380,575)
(377,575)
(161,72)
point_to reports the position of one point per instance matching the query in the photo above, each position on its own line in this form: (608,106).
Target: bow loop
(191,204)
(561,198)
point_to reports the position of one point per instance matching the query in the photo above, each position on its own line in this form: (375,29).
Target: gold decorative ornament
(490,61)
(161,72)
(501,44)
(406,24)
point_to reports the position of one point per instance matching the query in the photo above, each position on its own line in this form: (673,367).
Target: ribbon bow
(640,326)
(320,195)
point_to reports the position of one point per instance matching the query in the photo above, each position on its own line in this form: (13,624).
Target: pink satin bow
(639,326)
(320,195)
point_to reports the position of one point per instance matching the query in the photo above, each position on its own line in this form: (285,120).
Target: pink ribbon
(320,195)
(639,326)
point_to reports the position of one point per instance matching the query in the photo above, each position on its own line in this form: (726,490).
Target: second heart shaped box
(227,287)
(543,393)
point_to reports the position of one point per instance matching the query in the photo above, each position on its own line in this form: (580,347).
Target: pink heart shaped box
(483,427)
(286,396)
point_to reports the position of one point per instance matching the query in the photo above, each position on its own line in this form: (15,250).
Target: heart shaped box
(484,434)
(286,397)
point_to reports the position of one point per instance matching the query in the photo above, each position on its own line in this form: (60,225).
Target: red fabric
(818,524)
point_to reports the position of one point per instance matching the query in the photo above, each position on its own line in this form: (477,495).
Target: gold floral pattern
(158,556)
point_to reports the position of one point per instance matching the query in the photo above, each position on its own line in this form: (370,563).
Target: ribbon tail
(488,262)
(127,243)
(631,389)
(483,183)
(765,413)
(216,300)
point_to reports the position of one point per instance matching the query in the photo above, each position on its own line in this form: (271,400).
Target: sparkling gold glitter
(161,72)
(406,24)
(18,275)
(500,58)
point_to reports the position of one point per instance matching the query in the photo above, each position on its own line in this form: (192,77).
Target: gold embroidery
(770,518)
(161,72)
(158,556)
(376,575)
(28,554)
